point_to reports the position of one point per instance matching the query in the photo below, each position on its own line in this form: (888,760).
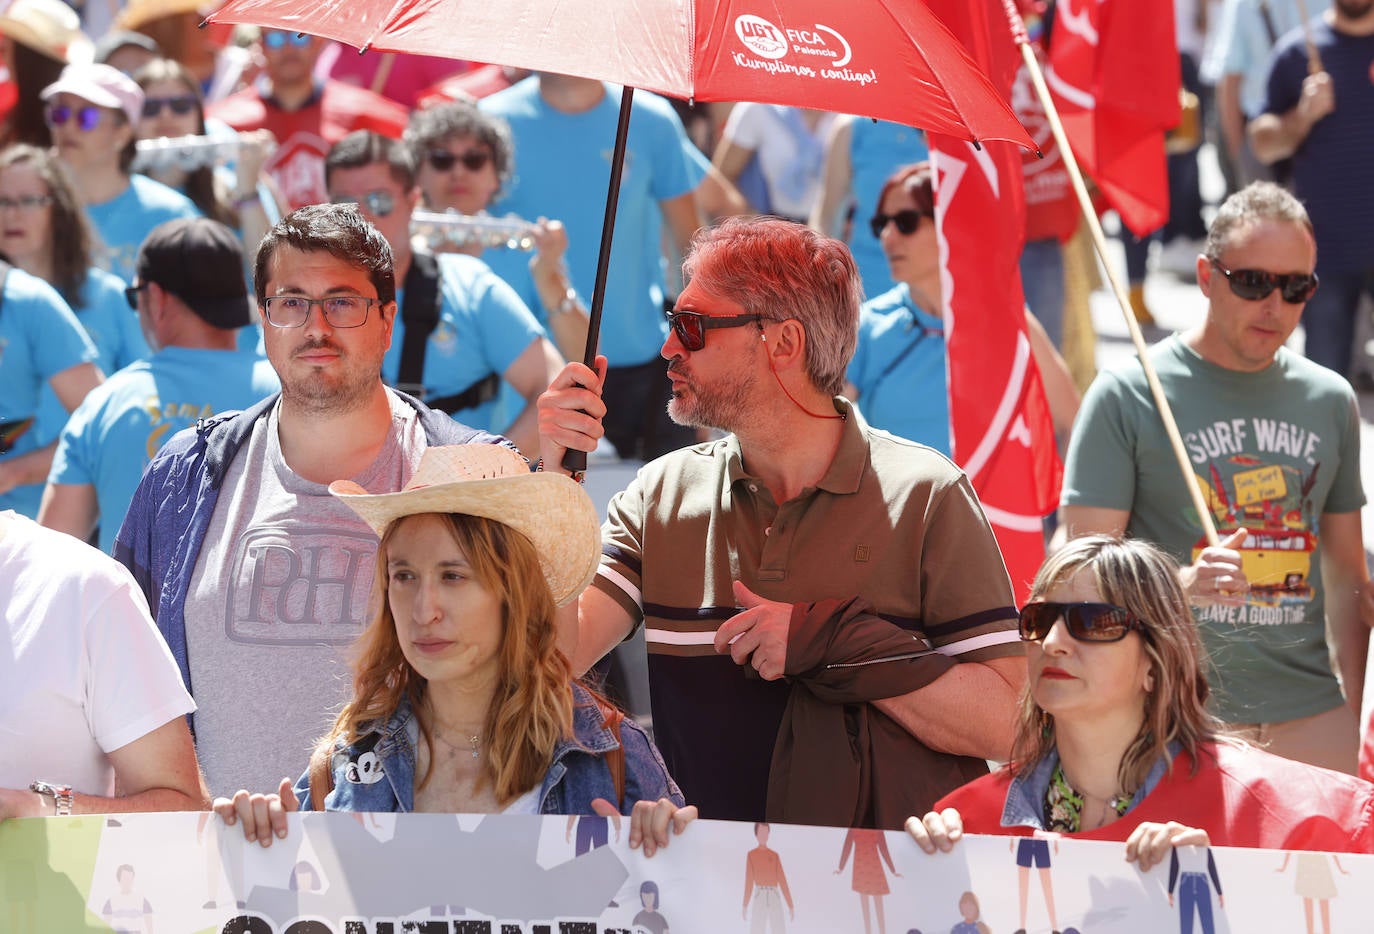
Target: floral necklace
(1064,804)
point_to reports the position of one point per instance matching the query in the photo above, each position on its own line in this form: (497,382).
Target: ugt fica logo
(761,36)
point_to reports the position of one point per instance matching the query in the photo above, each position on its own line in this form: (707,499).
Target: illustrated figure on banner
(649,919)
(127,911)
(870,852)
(1190,869)
(972,915)
(1034,851)
(765,886)
(1313,883)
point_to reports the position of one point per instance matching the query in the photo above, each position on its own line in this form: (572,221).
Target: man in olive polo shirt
(711,546)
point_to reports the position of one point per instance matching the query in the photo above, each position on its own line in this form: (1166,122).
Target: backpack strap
(420,315)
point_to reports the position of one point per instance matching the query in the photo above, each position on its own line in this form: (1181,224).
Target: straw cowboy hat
(494,482)
(49,27)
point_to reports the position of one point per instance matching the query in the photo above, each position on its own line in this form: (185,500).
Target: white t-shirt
(86,672)
(281,589)
(790,156)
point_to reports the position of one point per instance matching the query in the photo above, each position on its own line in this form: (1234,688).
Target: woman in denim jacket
(463,702)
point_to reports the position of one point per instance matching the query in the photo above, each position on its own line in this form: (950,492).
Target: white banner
(434,874)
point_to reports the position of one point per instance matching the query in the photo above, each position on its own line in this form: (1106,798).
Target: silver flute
(184,152)
(449,227)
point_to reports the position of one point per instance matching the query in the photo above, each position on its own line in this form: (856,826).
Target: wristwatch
(61,795)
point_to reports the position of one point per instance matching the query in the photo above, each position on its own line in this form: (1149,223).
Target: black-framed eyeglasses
(907,221)
(340,311)
(131,294)
(691,326)
(181,105)
(1256,284)
(474,160)
(25,202)
(276,39)
(1086,622)
(87,118)
(377,203)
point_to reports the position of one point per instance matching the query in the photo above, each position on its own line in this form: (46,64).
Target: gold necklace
(474,743)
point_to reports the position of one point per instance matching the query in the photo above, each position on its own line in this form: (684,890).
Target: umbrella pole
(576,461)
(1100,243)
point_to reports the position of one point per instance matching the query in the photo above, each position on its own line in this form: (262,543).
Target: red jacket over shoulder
(1241,796)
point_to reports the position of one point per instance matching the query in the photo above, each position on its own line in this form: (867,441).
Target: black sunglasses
(691,326)
(474,160)
(1256,284)
(131,294)
(907,221)
(377,203)
(1086,622)
(87,118)
(180,105)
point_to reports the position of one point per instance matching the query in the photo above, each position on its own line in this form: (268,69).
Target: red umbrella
(888,59)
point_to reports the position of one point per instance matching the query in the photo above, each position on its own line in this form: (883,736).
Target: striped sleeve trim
(985,641)
(619,555)
(946,630)
(609,578)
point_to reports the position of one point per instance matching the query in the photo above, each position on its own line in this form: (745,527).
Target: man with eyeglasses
(1274,441)
(305,115)
(256,577)
(462,335)
(190,300)
(805,545)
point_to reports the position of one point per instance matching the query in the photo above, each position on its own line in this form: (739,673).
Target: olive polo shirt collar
(846,469)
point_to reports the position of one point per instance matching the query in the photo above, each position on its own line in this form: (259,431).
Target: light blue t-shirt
(483,326)
(876,150)
(126,219)
(39,338)
(899,370)
(112,327)
(562,168)
(113,434)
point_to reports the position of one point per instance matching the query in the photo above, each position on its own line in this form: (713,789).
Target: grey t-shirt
(280,591)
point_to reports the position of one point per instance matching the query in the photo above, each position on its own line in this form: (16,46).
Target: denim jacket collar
(1025,805)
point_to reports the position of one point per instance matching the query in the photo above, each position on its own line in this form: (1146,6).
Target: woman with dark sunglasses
(463,157)
(897,373)
(1115,741)
(240,197)
(93,111)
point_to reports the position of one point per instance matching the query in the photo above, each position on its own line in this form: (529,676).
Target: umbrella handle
(576,461)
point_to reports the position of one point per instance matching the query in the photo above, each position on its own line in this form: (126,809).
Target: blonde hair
(1141,578)
(531,708)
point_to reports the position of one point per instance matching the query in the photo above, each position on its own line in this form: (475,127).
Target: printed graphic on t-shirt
(308,586)
(1258,474)
(167,419)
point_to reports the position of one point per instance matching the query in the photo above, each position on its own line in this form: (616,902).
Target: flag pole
(1018,31)
(1314,58)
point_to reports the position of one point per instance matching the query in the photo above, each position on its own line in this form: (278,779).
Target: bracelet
(240,202)
(569,302)
(579,476)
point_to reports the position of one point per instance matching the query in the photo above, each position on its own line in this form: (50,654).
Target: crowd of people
(261,349)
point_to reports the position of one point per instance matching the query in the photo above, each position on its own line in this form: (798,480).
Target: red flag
(1114,76)
(1000,425)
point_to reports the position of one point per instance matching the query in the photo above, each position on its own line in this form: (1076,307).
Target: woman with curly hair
(462,700)
(1115,741)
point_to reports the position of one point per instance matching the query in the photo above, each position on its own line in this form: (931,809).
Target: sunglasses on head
(180,105)
(1256,284)
(1086,622)
(691,326)
(474,160)
(277,39)
(87,118)
(376,203)
(907,221)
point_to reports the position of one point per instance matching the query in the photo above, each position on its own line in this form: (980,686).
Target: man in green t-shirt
(1274,442)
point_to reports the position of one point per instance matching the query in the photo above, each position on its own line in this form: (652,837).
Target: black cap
(199,261)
